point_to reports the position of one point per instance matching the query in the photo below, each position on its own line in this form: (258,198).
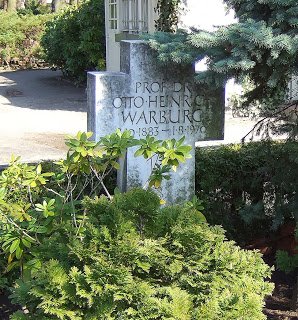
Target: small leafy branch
(282,121)
(33,202)
(167,155)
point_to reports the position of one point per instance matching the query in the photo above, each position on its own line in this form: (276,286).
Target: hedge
(251,190)
(20,38)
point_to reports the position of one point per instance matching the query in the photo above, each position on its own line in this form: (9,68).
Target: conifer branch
(270,118)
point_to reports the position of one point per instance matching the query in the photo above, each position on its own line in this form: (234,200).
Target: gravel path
(37,111)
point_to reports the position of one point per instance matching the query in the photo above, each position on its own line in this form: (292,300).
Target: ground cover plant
(82,255)
(138,261)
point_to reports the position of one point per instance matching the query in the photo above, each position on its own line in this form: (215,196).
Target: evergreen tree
(263,46)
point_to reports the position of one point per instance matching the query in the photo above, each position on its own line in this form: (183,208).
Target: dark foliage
(75,40)
(251,190)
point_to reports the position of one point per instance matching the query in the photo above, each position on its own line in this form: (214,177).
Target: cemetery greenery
(251,190)
(20,38)
(262,46)
(75,250)
(245,188)
(34,7)
(74,40)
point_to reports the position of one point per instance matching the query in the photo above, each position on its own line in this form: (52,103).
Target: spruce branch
(270,117)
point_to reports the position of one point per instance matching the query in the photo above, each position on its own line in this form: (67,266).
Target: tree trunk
(21,4)
(42,2)
(11,5)
(57,5)
(5,5)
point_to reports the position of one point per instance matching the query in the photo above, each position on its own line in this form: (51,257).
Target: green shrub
(75,40)
(20,37)
(33,201)
(250,189)
(286,262)
(120,269)
(83,256)
(34,7)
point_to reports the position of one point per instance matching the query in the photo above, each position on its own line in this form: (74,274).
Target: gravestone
(163,102)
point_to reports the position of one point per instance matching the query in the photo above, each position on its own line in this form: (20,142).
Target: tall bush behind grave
(252,189)
(75,40)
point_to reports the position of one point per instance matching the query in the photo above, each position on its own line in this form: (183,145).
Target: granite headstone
(161,101)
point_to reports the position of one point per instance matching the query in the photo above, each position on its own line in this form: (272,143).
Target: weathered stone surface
(163,102)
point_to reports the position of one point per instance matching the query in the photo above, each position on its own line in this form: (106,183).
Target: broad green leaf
(2,193)
(10,258)
(38,169)
(89,134)
(51,202)
(26,243)
(14,245)
(115,164)
(84,152)
(12,265)
(180,158)
(48,174)
(184,149)
(83,136)
(41,229)
(139,152)
(39,207)
(76,157)
(33,184)
(180,141)
(19,252)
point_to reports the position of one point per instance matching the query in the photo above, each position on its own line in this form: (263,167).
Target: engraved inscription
(156,107)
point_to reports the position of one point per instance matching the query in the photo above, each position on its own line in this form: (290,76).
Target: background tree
(74,40)
(54,5)
(11,5)
(263,46)
(57,5)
